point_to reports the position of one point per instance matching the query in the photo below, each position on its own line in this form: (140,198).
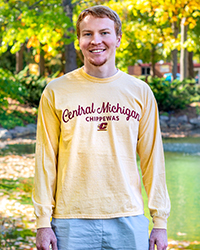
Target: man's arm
(150,150)
(44,238)
(158,237)
(48,132)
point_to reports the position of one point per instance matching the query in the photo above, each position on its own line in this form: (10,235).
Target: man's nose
(96,39)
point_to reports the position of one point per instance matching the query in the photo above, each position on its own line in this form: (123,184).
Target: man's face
(98,41)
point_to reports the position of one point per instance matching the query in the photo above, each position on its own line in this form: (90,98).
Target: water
(182,145)
(183,180)
(182,157)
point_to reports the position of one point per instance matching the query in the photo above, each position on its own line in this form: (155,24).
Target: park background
(38,43)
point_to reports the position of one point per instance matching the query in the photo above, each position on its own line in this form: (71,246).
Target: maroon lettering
(65,115)
(105,108)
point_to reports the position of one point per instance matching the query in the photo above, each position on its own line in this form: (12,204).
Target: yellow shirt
(89,130)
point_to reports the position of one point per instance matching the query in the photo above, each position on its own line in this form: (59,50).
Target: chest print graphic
(103,126)
(112,113)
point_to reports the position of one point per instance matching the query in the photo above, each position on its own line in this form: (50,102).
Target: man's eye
(104,33)
(87,34)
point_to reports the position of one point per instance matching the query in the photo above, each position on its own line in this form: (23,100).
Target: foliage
(8,61)
(148,34)
(9,88)
(25,90)
(42,25)
(174,95)
(33,86)
(23,87)
(10,119)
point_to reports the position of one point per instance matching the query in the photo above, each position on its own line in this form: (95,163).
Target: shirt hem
(89,216)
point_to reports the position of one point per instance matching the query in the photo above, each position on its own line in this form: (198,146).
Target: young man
(91,123)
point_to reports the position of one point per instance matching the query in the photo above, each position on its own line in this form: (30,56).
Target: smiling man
(91,123)
(98,42)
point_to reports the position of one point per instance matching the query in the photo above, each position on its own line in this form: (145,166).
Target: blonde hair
(100,11)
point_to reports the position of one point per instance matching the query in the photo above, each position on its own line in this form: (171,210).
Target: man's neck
(100,72)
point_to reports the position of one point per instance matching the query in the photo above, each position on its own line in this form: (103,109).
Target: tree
(70,53)
(41,25)
(153,27)
(142,36)
(19,59)
(184,52)
(183,13)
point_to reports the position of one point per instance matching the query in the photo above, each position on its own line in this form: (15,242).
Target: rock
(196,121)
(173,123)
(182,119)
(195,132)
(164,118)
(186,126)
(19,131)
(5,134)
(32,128)
(163,124)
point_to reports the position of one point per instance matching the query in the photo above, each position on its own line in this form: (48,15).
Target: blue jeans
(127,233)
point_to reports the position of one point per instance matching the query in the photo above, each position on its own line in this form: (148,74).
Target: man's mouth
(97,50)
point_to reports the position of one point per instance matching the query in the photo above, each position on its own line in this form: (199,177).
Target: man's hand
(44,238)
(159,237)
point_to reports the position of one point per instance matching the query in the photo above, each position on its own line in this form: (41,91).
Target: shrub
(33,86)
(9,88)
(174,95)
(24,89)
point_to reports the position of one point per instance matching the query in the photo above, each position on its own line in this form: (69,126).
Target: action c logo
(103,126)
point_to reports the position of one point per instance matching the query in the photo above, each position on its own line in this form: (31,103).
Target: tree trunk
(174,61)
(190,65)
(184,52)
(19,59)
(153,62)
(70,52)
(41,63)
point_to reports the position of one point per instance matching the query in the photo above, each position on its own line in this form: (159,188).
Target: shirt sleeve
(48,132)
(150,151)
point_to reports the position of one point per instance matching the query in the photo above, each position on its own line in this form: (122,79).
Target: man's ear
(118,41)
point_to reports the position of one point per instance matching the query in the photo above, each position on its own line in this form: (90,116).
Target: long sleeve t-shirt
(89,132)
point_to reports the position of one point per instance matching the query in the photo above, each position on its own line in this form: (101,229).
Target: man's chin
(98,64)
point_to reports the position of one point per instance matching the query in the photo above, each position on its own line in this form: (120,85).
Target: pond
(182,157)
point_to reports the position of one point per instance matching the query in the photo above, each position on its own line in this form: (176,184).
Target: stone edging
(18,131)
(169,125)
(181,125)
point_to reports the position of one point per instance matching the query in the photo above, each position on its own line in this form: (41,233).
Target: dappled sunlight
(17,220)
(12,166)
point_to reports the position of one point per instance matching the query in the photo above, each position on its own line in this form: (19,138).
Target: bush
(9,88)
(23,88)
(12,118)
(174,95)
(33,86)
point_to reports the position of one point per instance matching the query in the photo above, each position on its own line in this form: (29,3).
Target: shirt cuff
(43,222)
(160,222)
